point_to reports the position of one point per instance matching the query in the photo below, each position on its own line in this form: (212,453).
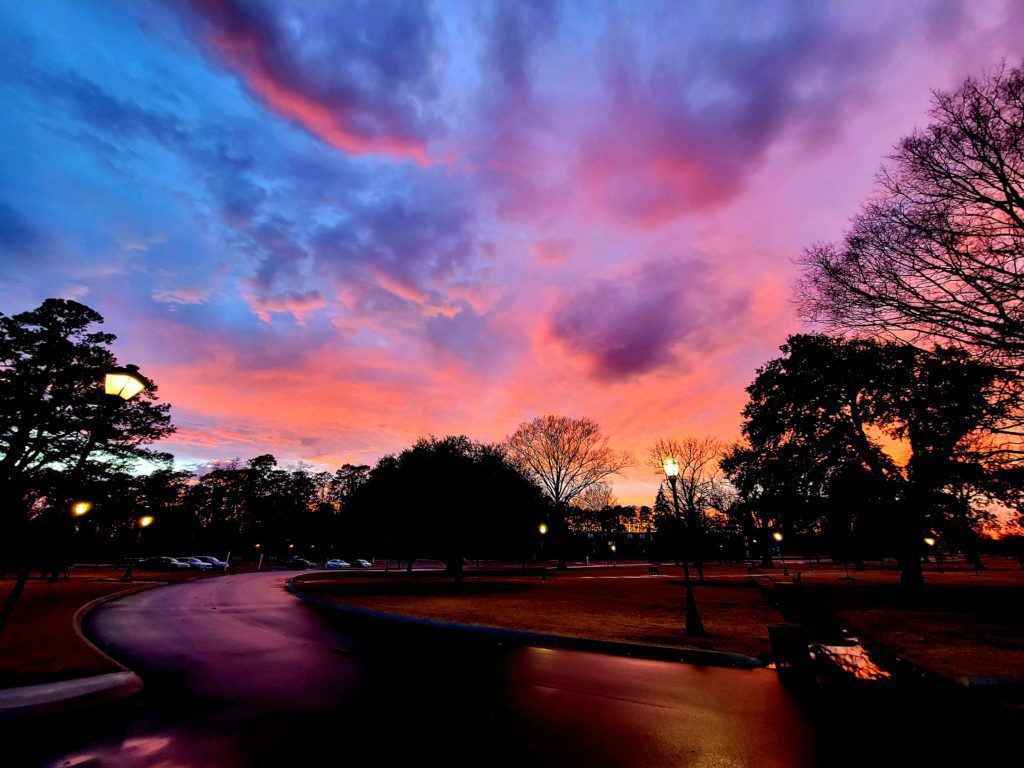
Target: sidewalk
(48,663)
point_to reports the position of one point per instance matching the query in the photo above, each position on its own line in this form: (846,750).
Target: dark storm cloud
(683,131)
(638,321)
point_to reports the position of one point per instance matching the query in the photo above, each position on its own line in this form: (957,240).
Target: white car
(219,565)
(360,563)
(195,563)
(337,564)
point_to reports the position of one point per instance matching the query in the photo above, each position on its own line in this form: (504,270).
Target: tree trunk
(23,574)
(558,534)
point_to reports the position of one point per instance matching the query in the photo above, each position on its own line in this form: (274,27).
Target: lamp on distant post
(143,523)
(931,541)
(80,508)
(694,626)
(119,386)
(778,540)
(542,529)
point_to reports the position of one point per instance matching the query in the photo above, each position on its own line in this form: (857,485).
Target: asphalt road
(240,673)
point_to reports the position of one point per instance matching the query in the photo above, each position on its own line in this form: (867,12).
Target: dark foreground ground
(239,673)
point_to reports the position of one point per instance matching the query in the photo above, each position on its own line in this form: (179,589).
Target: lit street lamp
(120,384)
(778,540)
(143,522)
(80,508)
(694,626)
(125,382)
(930,542)
(542,529)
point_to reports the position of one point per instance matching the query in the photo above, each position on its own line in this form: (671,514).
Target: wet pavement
(240,673)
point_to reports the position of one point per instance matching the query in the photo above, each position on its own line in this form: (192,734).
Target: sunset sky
(327,228)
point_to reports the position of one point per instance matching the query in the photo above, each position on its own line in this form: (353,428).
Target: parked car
(195,563)
(360,563)
(161,564)
(298,563)
(337,564)
(213,561)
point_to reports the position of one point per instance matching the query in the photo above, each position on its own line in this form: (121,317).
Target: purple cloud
(638,321)
(359,76)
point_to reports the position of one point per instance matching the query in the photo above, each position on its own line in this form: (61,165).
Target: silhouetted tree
(54,415)
(565,457)
(821,415)
(448,497)
(696,485)
(936,253)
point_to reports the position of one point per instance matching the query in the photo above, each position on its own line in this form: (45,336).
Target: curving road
(240,673)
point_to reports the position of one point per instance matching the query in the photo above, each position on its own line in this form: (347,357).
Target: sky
(325,229)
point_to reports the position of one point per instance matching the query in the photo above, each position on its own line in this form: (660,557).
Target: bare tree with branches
(698,483)
(566,457)
(597,497)
(937,254)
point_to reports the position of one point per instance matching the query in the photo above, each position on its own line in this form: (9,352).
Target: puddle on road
(851,659)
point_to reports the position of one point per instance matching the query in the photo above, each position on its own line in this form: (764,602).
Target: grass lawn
(619,604)
(39,644)
(962,624)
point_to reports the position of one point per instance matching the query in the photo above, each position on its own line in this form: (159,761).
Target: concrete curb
(69,696)
(694,656)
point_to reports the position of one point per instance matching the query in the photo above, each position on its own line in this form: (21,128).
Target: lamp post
(778,540)
(143,522)
(119,386)
(694,626)
(931,541)
(542,529)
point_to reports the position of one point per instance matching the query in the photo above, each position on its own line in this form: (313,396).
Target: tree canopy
(936,254)
(449,498)
(54,414)
(866,425)
(565,457)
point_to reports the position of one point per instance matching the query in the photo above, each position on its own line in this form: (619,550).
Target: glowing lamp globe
(145,521)
(80,508)
(125,382)
(543,528)
(671,466)
(777,536)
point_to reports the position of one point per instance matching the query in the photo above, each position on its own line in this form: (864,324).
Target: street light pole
(542,529)
(143,522)
(118,384)
(778,540)
(694,626)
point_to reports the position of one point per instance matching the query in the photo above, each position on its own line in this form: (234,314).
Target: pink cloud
(297,303)
(552,251)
